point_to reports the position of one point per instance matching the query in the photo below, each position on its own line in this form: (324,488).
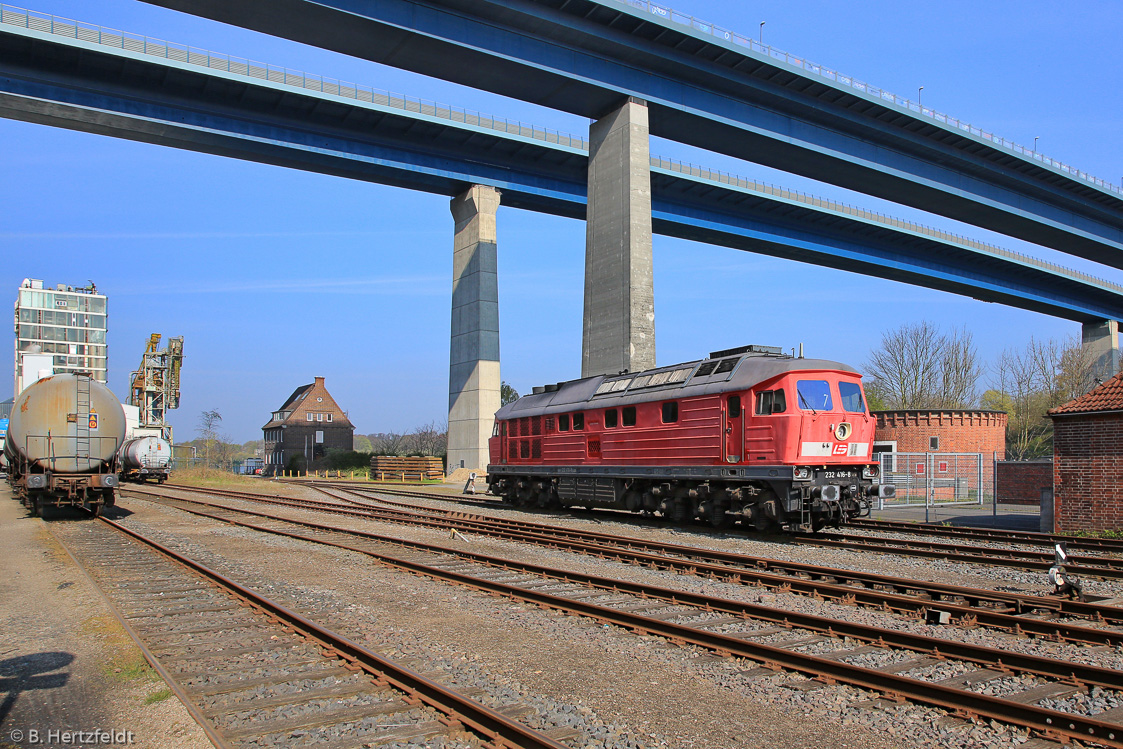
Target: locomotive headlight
(843,430)
(802,473)
(871,472)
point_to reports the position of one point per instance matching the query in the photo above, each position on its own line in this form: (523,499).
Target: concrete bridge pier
(618,331)
(473,374)
(1101,340)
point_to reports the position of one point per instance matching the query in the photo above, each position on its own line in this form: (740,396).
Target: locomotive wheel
(718,517)
(680,513)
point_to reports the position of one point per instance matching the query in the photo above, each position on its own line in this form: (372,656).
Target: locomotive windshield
(851,393)
(814,395)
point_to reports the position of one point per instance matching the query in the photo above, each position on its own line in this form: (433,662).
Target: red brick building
(303,429)
(1088,460)
(920,431)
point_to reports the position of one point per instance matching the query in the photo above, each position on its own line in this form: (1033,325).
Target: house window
(933,443)
(319,417)
(329,417)
(309,415)
(629,415)
(319,436)
(670,412)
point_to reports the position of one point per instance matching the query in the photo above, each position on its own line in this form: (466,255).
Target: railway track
(1001,535)
(893,664)
(253,672)
(1048,617)
(1105,566)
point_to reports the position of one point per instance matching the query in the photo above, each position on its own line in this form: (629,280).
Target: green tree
(362,443)
(507,394)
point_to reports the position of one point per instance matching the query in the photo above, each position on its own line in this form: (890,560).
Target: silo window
(933,443)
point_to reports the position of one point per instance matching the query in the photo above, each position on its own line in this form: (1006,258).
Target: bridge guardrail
(139,43)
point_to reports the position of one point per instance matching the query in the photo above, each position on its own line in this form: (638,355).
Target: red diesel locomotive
(749,434)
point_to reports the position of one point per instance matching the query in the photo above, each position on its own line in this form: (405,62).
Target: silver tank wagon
(63,437)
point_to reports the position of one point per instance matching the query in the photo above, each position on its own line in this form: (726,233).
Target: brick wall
(1087,471)
(959,431)
(1021,482)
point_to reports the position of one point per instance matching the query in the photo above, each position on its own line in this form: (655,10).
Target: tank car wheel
(33,506)
(96,509)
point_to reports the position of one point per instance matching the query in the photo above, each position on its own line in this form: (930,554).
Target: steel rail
(993,534)
(1112,569)
(796,577)
(962,702)
(919,643)
(1087,566)
(461,711)
(185,699)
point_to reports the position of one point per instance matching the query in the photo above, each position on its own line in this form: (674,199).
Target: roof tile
(1106,397)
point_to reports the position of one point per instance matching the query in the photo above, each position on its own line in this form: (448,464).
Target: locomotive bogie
(748,436)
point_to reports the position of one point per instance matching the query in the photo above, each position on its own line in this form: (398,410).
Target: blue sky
(275,276)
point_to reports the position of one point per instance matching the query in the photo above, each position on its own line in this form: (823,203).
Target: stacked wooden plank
(396,468)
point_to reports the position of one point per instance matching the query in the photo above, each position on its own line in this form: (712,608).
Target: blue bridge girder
(142,95)
(586,56)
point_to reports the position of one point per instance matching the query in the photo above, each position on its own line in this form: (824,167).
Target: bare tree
(919,367)
(1030,381)
(388,443)
(430,439)
(208,431)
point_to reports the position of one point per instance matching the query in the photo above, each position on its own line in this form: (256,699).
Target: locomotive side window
(851,393)
(563,423)
(578,422)
(771,402)
(629,416)
(814,395)
(670,412)
(734,406)
(504,429)
(609,418)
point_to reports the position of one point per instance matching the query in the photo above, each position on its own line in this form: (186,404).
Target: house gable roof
(311,398)
(1105,397)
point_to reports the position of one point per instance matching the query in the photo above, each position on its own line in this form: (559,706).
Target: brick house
(303,429)
(1088,460)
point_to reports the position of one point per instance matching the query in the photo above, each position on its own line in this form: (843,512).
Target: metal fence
(938,487)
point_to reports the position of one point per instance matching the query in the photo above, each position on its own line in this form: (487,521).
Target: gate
(937,479)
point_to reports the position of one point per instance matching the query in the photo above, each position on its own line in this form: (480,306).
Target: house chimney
(320,381)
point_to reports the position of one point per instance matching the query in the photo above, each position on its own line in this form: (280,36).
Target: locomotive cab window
(578,422)
(771,402)
(670,412)
(610,418)
(814,395)
(851,394)
(628,414)
(734,406)
(563,423)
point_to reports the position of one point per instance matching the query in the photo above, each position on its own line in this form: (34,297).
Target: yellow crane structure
(154,387)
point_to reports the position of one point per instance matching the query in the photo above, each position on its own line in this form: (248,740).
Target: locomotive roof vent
(751,349)
(552,388)
(538,390)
